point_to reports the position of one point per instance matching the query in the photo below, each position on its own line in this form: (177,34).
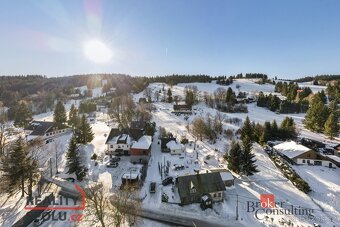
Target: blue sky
(288,39)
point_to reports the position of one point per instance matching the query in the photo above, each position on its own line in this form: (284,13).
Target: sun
(97,51)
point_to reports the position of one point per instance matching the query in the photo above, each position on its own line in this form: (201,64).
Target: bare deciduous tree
(198,127)
(3,129)
(122,110)
(218,122)
(157,94)
(97,205)
(148,94)
(126,206)
(119,208)
(219,95)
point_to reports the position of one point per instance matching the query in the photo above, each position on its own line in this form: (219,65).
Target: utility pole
(51,166)
(56,161)
(236,206)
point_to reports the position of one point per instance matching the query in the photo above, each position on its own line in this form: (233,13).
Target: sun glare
(97,51)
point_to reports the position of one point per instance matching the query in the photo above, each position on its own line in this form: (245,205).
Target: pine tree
(22,115)
(73,117)
(258,130)
(16,168)
(333,107)
(331,126)
(274,129)
(263,138)
(248,166)
(316,115)
(274,103)
(234,157)
(229,95)
(59,115)
(247,129)
(84,132)
(73,160)
(287,129)
(72,156)
(169,99)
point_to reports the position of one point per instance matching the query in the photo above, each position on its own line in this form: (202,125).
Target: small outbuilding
(175,148)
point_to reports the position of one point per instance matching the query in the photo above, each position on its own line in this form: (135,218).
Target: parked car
(114,159)
(167,181)
(112,165)
(152,187)
(106,159)
(179,167)
(49,141)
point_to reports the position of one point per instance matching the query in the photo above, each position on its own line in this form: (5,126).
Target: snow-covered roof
(334,157)
(132,173)
(121,137)
(143,143)
(291,149)
(173,145)
(113,140)
(130,176)
(226,176)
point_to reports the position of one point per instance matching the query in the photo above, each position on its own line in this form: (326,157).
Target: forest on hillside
(43,91)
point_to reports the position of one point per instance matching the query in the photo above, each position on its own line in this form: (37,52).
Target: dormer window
(192,188)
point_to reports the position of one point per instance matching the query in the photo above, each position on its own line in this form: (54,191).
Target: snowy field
(325,185)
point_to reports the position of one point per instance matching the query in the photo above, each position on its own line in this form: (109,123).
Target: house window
(303,161)
(111,146)
(317,163)
(215,195)
(193,190)
(219,194)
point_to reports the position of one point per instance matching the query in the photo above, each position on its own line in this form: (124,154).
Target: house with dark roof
(182,109)
(44,130)
(198,188)
(119,141)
